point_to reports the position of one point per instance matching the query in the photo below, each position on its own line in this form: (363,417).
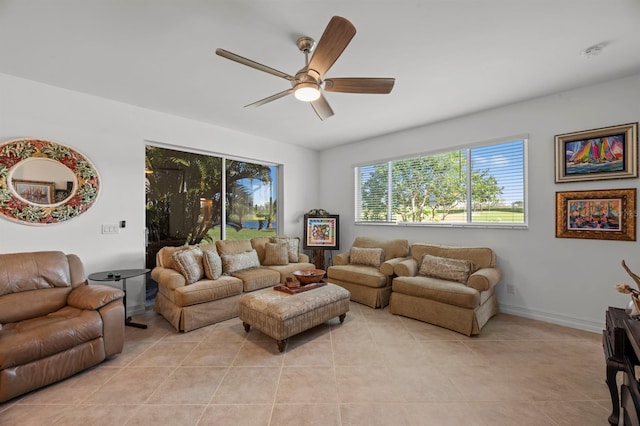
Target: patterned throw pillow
(366,256)
(276,254)
(189,264)
(446,269)
(293,247)
(239,261)
(212,264)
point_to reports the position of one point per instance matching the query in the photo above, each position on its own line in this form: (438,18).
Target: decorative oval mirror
(44,182)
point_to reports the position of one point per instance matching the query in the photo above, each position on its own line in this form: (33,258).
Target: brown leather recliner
(52,323)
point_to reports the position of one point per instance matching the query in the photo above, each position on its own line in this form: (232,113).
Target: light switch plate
(109,228)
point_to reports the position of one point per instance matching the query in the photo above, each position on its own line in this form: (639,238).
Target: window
(193,198)
(482,184)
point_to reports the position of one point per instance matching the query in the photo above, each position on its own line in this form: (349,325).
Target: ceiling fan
(308,84)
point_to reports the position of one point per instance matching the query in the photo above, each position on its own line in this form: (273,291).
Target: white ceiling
(449,57)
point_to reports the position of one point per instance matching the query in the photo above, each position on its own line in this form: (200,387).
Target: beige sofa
(452,287)
(201,285)
(367,268)
(52,323)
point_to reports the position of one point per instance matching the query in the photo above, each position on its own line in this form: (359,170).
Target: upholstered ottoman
(281,315)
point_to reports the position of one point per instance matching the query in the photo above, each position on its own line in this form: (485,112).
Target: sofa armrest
(93,297)
(388,266)
(341,259)
(484,279)
(167,277)
(303,258)
(406,268)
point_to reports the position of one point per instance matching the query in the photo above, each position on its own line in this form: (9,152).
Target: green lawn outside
(243,234)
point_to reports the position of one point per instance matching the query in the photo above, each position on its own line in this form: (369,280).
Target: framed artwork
(321,232)
(600,215)
(35,191)
(605,153)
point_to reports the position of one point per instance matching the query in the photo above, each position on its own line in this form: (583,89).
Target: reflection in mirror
(42,181)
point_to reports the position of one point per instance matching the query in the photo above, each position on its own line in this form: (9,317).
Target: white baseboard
(579,323)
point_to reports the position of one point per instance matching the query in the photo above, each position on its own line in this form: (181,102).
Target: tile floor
(375,369)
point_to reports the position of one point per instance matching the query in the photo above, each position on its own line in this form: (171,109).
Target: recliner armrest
(406,268)
(484,279)
(93,297)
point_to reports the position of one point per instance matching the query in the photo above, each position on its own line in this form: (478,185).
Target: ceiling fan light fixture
(306,92)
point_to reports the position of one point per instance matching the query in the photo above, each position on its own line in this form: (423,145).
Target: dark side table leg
(613,367)
(127,320)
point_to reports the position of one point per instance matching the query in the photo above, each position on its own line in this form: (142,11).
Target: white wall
(565,281)
(113,135)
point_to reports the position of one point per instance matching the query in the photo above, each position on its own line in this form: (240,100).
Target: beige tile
(96,415)
(305,415)
(166,415)
(261,352)
(248,385)
(188,385)
(510,413)
(164,355)
(214,354)
(351,329)
(237,415)
(366,384)
(575,413)
(131,385)
(307,385)
(33,415)
(378,414)
(442,413)
(422,384)
(309,353)
(357,352)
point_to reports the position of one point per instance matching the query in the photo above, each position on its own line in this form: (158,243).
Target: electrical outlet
(511,289)
(109,228)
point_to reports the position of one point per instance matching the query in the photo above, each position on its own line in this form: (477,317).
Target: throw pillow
(239,261)
(276,254)
(366,256)
(446,269)
(293,247)
(212,264)
(189,264)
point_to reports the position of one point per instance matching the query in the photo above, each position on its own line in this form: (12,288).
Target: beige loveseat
(201,285)
(452,287)
(367,268)
(52,323)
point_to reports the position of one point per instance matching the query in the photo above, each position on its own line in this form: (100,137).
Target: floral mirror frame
(16,208)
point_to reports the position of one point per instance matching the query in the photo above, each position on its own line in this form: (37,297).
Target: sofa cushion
(366,256)
(40,337)
(482,257)
(205,291)
(276,254)
(239,261)
(444,291)
(164,257)
(189,264)
(293,246)
(233,246)
(446,269)
(392,248)
(212,264)
(257,278)
(363,275)
(24,305)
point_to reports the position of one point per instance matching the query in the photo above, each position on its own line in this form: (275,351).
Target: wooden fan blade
(253,64)
(334,40)
(359,85)
(270,98)
(322,108)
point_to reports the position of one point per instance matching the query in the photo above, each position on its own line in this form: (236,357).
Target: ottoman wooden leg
(247,327)
(342,317)
(281,344)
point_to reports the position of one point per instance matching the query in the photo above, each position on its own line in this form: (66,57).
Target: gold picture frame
(598,154)
(600,215)
(37,192)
